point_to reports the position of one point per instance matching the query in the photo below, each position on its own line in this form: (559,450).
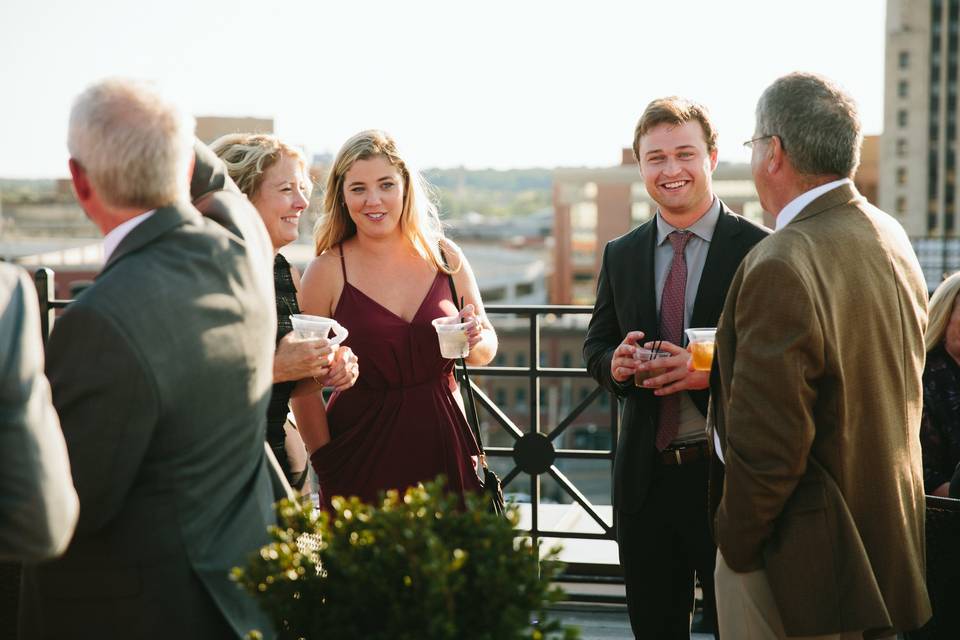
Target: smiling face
(282,196)
(677,171)
(373,193)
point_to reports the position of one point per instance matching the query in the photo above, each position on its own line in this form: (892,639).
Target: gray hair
(134,145)
(816,121)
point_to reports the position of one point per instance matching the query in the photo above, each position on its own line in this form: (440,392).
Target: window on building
(902,88)
(948,223)
(901,175)
(584,392)
(639,212)
(604,400)
(904,59)
(901,205)
(931,221)
(500,397)
(500,360)
(901,147)
(520,397)
(902,117)
(566,359)
(524,289)
(521,359)
(496,294)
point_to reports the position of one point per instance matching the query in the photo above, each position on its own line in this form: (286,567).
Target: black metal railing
(534,452)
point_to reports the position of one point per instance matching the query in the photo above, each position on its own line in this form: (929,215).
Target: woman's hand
(344,371)
(468,314)
(297,359)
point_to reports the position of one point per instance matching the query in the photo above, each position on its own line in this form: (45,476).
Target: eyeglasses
(749,143)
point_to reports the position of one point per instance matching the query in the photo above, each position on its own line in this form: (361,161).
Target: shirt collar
(798,204)
(702,228)
(112,240)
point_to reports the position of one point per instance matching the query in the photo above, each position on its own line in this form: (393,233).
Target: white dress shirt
(795,206)
(112,240)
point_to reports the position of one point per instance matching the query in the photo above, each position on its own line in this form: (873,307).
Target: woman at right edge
(382,270)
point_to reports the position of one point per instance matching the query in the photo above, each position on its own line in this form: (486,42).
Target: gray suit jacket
(161,372)
(38,505)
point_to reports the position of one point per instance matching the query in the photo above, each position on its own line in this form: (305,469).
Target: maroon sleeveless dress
(400,423)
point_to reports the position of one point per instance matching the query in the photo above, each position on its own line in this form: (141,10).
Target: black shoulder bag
(491,482)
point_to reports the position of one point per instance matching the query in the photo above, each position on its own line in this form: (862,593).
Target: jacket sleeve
(769,414)
(37,500)
(108,409)
(604,333)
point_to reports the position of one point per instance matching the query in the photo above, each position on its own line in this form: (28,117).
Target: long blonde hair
(419,220)
(941,308)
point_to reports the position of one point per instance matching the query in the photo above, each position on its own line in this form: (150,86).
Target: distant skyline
(498,84)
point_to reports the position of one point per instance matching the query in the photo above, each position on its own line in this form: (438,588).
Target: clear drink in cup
(646,355)
(702,342)
(452,335)
(307,327)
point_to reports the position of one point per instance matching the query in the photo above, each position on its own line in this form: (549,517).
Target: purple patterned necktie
(671,330)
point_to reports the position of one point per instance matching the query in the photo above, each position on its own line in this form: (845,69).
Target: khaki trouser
(746,609)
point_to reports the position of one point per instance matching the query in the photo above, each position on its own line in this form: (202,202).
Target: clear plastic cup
(452,335)
(646,355)
(702,342)
(307,327)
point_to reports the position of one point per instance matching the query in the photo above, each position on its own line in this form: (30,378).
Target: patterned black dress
(280,397)
(940,427)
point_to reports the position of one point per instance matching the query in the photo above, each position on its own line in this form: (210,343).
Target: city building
(918,149)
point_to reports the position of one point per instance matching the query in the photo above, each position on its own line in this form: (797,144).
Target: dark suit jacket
(161,373)
(627,301)
(817,403)
(37,499)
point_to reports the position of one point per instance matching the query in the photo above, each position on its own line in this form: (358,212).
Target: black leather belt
(684,454)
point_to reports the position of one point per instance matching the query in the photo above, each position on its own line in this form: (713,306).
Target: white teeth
(674,185)
(375,216)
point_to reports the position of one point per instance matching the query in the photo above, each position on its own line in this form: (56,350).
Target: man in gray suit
(37,499)
(161,374)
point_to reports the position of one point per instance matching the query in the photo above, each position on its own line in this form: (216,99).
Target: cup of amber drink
(701,347)
(646,355)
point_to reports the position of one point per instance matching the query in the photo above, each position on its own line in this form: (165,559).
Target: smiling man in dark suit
(161,373)
(669,274)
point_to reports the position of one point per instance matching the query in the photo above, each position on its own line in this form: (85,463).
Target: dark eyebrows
(361,183)
(681,147)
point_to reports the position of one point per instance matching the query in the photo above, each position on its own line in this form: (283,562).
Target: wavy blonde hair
(419,220)
(941,308)
(249,155)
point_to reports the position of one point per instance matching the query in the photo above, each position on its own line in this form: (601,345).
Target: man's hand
(623,364)
(679,374)
(297,359)
(344,371)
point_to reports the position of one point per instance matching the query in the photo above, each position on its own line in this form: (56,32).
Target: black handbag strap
(472,417)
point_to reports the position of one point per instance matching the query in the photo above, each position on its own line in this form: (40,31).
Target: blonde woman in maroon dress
(382,270)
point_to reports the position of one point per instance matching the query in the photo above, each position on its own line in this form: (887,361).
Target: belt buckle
(676,454)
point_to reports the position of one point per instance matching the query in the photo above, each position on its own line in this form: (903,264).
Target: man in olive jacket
(817,393)
(161,373)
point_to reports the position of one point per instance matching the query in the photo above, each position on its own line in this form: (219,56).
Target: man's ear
(713,160)
(81,183)
(776,156)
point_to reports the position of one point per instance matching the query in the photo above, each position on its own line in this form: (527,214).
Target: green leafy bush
(419,566)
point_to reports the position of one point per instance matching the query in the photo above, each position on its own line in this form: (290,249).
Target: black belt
(684,454)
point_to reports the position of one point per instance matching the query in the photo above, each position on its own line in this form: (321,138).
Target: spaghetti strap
(343,263)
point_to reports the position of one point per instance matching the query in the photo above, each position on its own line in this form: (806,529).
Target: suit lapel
(162,221)
(717,270)
(642,313)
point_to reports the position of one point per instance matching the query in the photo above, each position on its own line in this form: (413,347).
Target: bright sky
(497,83)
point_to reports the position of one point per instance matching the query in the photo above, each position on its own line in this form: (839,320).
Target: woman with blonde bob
(274,177)
(385,271)
(940,426)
